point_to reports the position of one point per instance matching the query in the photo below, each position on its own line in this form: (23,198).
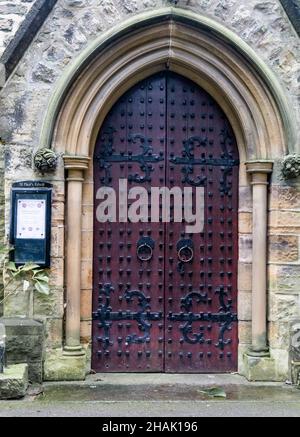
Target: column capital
(262,166)
(76,162)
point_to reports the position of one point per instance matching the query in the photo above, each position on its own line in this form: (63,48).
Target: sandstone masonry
(70,28)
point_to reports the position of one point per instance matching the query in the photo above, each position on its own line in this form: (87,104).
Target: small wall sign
(31,222)
(31,218)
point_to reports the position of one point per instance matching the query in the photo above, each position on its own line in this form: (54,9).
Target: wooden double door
(165,299)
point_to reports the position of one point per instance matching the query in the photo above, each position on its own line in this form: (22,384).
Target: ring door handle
(145,247)
(185,251)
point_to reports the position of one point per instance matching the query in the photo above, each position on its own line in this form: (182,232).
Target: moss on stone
(2,219)
(14,382)
(58,367)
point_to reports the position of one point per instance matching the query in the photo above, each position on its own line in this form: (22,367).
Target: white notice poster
(31,219)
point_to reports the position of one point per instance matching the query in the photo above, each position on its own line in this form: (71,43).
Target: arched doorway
(165,299)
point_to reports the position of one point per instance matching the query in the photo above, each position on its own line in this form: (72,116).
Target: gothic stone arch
(219,62)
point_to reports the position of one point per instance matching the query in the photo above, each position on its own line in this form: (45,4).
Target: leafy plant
(30,275)
(214,392)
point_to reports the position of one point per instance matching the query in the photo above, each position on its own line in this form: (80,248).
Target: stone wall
(284,265)
(24,344)
(12,15)
(74,24)
(2,208)
(71,26)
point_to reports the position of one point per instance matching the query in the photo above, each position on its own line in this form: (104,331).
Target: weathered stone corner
(59,367)
(14,382)
(260,368)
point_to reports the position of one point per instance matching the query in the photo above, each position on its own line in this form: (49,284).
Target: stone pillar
(259,171)
(75,166)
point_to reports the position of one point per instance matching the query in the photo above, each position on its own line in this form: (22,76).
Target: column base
(73,351)
(261,353)
(61,367)
(259,368)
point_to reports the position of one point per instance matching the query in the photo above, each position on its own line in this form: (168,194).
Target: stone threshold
(166,387)
(159,379)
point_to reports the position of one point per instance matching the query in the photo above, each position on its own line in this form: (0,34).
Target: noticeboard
(30,231)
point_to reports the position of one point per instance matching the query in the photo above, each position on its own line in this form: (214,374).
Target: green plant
(214,392)
(30,275)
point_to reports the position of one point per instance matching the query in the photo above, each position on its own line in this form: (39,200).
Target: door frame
(246,90)
(162,85)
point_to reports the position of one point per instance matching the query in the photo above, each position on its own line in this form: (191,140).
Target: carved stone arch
(189,44)
(214,58)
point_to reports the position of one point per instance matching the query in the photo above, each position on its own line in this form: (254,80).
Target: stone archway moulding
(215,59)
(187,43)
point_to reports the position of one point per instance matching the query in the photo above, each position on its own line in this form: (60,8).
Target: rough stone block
(259,368)
(43,73)
(57,241)
(25,344)
(284,222)
(35,371)
(87,218)
(245,248)
(244,306)
(283,248)
(58,212)
(6,25)
(21,346)
(282,197)
(245,223)
(283,307)
(244,276)
(51,305)
(59,188)
(242,349)
(284,278)
(19,326)
(281,358)
(12,8)
(14,382)
(85,331)
(58,367)
(244,332)
(87,245)
(86,275)
(86,304)
(16,305)
(57,273)
(279,335)
(54,333)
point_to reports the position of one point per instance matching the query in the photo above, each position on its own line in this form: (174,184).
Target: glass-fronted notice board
(30,232)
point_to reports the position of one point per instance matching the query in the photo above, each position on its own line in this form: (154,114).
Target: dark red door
(165,299)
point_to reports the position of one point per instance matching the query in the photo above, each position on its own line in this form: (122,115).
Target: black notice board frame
(36,251)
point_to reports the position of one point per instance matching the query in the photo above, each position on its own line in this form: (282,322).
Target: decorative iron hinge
(189,161)
(224,318)
(106,316)
(145,159)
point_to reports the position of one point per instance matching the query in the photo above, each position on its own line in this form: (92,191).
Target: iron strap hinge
(126,315)
(203,317)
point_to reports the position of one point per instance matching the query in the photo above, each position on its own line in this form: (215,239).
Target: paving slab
(158,395)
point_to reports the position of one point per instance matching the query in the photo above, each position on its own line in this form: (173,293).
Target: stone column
(259,171)
(75,166)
